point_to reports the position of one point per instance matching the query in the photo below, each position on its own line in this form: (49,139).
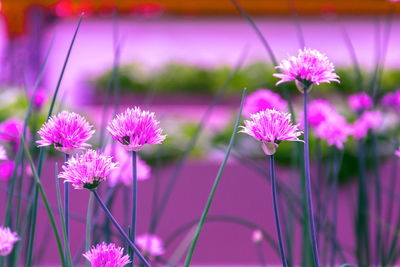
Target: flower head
(7,240)
(10,131)
(309,67)
(369,120)
(107,255)
(271,126)
(67,131)
(134,128)
(392,100)
(150,244)
(257,236)
(319,110)
(40,98)
(360,101)
(6,169)
(397,152)
(3,153)
(124,175)
(87,170)
(334,130)
(263,99)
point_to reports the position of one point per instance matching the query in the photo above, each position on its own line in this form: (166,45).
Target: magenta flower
(134,128)
(397,152)
(392,100)
(369,120)
(319,110)
(270,127)
(309,67)
(87,170)
(124,175)
(150,244)
(40,98)
(66,131)
(257,236)
(360,101)
(7,240)
(106,255)
(334,130)
(263,99)
(10,131)
(3,153)
(6,169)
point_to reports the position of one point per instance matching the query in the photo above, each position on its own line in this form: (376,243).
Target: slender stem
(276,210)
(337,161)
(119,228)
(89,226)
(66,203)
(308,184)
(260,254)
(134,200)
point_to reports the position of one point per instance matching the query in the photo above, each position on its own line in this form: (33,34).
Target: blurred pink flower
(124,173)
(319,110)
(360,101)
(3,153)
(309,67)
(106,255)
(369,120)
(397,152)
(134,128)
(257,236)
(392,100)
(335,130)
(271,126)
(87,170)
(150,244)
(10,131)
(6,169)
(67,131)
(263,99)
(40,98)
(7,240)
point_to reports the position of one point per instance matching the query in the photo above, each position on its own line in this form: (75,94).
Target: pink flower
(7,240)
(263,99)
(134,128)
(392,100)
(369,120)
(360,101)
(309,67)
(10,131)
(271,126)
(40,99)
(3,153)
(124,175)
(6,169)
(257,236)
(334,130)
(397,152)
(319,110)
(87,170)
(106,255)
(150,244)
(67,131)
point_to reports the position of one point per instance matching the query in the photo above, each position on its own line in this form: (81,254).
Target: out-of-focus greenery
(191,79)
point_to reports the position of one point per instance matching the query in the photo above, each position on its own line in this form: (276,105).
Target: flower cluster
(107,255)
(150,244)
(67,131)
(124,175)
(334,130)
(87,170)
(360,101)
(10,131)
(319,111)
(3,153)
(369,120)
(271,126)
(7,240)
(392,100)
(309,67)
(263,99)
(134,128)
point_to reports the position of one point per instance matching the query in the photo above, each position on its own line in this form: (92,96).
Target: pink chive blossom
(7,240)
(360,101)
(369,120)
(392,100)
(150,244)
(66,131)
(134,128)
(10,131)
(319,110)
(309,67)
(124,174)
(87,170)
(257,236)
(334,130)
(263,99)
(6,170)
(270,127)
(397,152)
(3,153)
(40,98)
(107,255)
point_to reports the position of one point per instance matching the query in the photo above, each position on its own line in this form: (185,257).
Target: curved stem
(276,210)
(134,201)
(308,184)
(119,228)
